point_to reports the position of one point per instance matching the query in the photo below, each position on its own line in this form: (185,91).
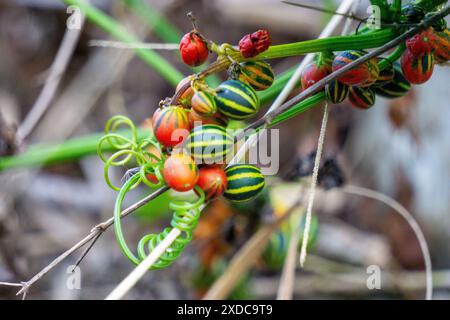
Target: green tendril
(130,150)
(185,218)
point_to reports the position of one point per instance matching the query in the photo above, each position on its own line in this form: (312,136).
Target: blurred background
(399,147)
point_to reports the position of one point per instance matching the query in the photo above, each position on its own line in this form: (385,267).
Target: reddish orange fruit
(213,181)
(180,172)
(193,49)
(171,125)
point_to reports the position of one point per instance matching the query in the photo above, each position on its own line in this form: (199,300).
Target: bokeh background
(399,147)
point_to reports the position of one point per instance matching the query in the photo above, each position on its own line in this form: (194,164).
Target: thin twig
(98,229)
(129,282)
(137,45)
(247,256)
(86,251)
(288,273)
(372,194)
(319,85)
(52,82)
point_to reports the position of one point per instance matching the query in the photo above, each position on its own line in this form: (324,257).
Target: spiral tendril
(129,150)
(185,218)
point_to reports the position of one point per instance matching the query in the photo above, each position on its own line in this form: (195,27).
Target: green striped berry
(204,103)
(237,100)
(258,74)
(336,92)
(361,98)
(209,144)
(395,88)
(245,182)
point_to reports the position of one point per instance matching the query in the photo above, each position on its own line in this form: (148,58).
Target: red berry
(313,73)
(193,49)
(420,43)
(253,44)
(171,125)
(417,69)
(213,181)
(180,172)
(356,76)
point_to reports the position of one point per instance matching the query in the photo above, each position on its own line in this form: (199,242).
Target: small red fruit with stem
(417,69)
(193,47)
(213,181)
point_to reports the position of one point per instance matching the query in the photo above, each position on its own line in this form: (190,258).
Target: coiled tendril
(185,218)
(129,150)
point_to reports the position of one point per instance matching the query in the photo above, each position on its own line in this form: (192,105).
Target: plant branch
(95,232)
(337,74)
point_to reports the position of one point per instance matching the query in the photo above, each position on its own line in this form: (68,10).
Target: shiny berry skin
(361,98)
(374,72)
(204,103)
(253,44)
(313,73)
(171,125)
(356,76)
(180,172)
(417,69)
(213,181)
(193,49)
(420,43)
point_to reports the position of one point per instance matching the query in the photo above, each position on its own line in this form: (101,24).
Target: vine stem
(128,283)
(319,85)
(131,280)
(290,85)
(98,229)
(266,119)
(285,288)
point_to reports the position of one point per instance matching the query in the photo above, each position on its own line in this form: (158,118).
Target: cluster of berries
(192,129)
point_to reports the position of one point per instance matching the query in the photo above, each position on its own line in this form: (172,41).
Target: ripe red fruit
(356,76)
(313,73)
(253,44)
(421,43)
(171,125)
(213,181)
(180,172)
(193,49)
(417,69)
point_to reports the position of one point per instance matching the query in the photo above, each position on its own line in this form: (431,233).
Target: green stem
(115,29)
(70,150)
(118,219)
(369,40)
